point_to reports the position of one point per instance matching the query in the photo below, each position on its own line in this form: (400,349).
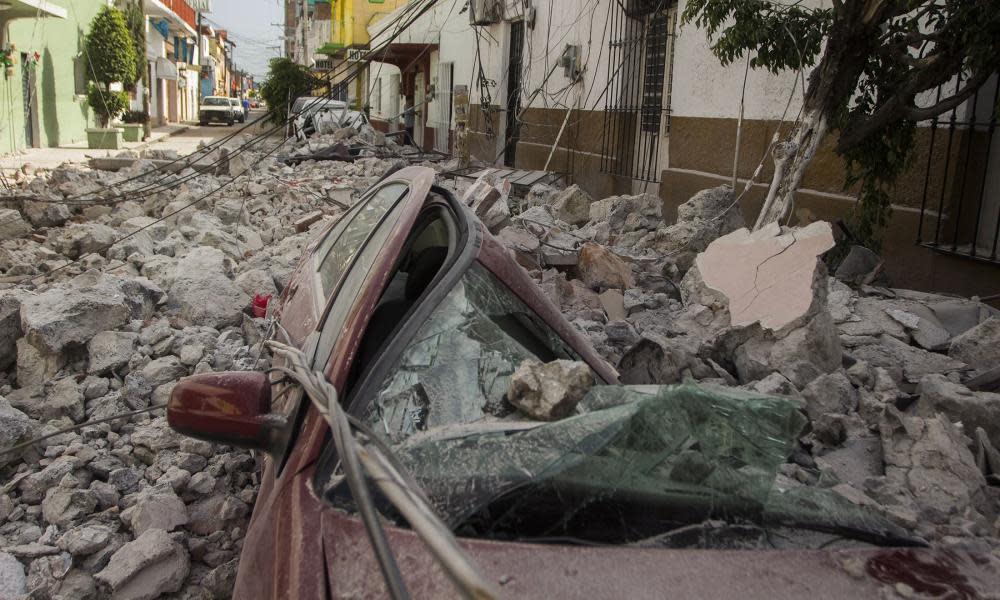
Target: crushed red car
(419,317)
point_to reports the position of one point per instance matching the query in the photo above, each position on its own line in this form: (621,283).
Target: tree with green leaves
(135,19)
(875,66)
(110,53)
(285,82)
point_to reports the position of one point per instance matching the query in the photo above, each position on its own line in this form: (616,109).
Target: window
(457,367)
(377,101)
(653,72)
(637,105)
(342,244)
(353,247)
(80,77)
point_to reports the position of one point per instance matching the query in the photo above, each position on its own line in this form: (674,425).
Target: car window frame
(309,438)
(329,301)
(296,413)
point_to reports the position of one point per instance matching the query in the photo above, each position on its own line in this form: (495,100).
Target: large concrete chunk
(702,219)
(549,391)
(45,214)
(14,424)
(10,325)
(72,313)
(146,568)
(978,347)
(768,276)
(931,459)
(12,225)
(13,583)
(82,238)
(110,350)
(959,403)
(203,294)
(572,205)
(601,269)
(158,508)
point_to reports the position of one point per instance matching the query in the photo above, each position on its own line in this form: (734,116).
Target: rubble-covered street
(105,305)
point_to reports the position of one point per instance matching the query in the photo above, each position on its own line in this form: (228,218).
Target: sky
(249,25)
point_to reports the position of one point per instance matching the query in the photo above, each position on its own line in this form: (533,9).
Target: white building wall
(704,88)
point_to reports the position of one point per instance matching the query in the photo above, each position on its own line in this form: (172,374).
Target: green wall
(62,115)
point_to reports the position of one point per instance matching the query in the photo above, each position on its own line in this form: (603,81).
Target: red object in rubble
(260,304)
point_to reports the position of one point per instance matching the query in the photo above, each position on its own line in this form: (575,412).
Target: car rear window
(215,101)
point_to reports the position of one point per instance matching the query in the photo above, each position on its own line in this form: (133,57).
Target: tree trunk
(831,83)
(790,161)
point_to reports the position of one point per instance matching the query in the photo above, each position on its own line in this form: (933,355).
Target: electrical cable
(149,189)
(232,178)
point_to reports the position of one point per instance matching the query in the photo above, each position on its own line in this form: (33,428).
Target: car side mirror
(231,408)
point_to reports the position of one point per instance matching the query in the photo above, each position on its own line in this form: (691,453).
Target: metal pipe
(947,163)
(965,173)
(986,165)
(927,173)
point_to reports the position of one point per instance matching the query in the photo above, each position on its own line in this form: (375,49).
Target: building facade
(622,97)
(173,61)
(43,82)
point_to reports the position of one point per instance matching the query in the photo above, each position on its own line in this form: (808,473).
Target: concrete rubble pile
(105,305)
(130,509)
(901,388)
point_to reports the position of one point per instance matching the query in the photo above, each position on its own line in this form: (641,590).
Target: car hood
(557,571)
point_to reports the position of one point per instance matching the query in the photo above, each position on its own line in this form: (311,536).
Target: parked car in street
(419,316)
(241,114)
(216,109)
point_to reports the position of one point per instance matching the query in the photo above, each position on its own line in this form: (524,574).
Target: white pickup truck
(216,109)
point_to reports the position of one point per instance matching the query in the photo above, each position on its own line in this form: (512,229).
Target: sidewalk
(49,158)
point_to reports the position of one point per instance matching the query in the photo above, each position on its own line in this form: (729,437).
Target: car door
(335,288)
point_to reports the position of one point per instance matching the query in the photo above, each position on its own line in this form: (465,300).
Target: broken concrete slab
(979,347)
(78,239)
(931,458)
(203,294)
(905,363)
(767,276)
(572,205)
(614,304)
(549,391)
(110,350)
(12,225)
(861,266)
(653,360)
(801,355)
(72,313)
(973,410)
(146,568)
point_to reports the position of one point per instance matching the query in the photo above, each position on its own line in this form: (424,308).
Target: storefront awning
(165,69)
(31,8)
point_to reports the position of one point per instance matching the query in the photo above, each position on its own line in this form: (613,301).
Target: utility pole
(147,128)
(201,61)
(305,32)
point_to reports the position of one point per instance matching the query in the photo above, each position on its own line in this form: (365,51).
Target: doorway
(514,69)
(443,97)
(420,102)
(30,102)
(651,153)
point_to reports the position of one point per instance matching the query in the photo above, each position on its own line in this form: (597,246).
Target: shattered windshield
(663,466)
(458,365)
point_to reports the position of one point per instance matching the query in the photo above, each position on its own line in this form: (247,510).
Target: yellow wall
(349,20)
